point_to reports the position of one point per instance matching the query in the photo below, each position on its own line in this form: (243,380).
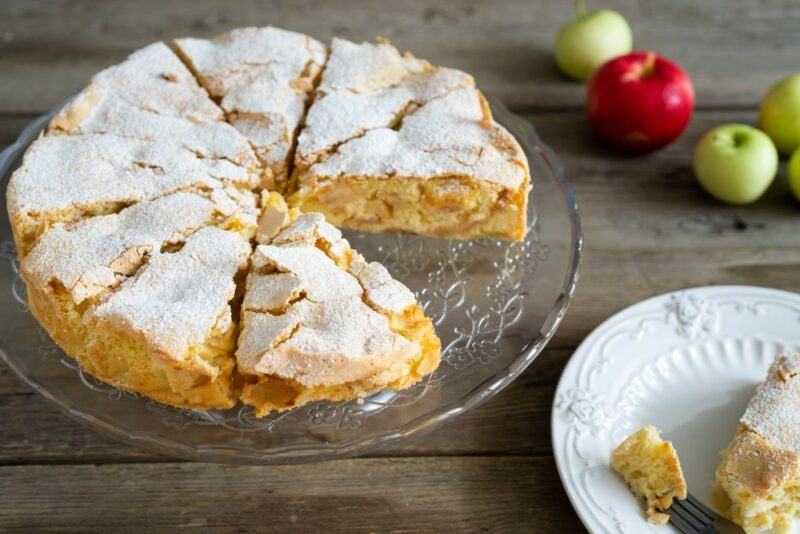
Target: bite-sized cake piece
(651,470)
(319,322)
(262,78)
(167,331)
(65,178)
(392,143)
(71,268)
(758,481)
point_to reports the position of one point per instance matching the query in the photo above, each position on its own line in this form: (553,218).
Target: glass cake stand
(495,305)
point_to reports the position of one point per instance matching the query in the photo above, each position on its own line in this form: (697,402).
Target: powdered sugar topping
(100,252)
(379,114)
(69,172)
(308,319)
(772,412)
(177,298)
(262,78)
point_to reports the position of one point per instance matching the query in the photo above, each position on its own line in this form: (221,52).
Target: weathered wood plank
(491,494)
(733,50)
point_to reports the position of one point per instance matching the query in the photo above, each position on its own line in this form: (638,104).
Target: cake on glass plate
(651,469)
(393,143)
(158,250)
(758,481)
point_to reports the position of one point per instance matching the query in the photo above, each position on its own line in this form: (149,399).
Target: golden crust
(757,465)
(267,393)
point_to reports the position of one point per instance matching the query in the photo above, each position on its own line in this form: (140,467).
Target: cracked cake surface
(319,322)
(62,178)
(262,78)
(98,253)
(393,143)
(758,481)
(177,298)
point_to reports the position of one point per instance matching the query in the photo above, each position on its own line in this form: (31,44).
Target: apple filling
(439,207)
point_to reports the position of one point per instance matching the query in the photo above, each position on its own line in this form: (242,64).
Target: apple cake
(758,481)
(159,252)
(651,470)
(320,322)
(393,143)
(262,79)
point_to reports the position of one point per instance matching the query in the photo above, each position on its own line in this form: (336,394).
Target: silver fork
(690,516)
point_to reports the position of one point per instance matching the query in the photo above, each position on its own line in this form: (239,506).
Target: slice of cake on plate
(393,143)
(652,471)
(758,481)
(66,178)
(73,268)
(319,322)
(262,78)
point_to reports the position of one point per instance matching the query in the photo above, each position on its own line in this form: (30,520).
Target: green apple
(590,40)
(794,173)
(780,114)
(735,163)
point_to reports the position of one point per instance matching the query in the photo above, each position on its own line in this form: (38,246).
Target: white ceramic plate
(687,362)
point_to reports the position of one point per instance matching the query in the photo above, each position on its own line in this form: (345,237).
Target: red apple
(639,102)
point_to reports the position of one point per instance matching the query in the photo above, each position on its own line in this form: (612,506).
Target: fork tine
(702,508)
(680,510)
(680,523)
(690,510)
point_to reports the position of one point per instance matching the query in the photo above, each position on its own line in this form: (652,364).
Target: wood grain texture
(515,422)
(472,494)
(732,50)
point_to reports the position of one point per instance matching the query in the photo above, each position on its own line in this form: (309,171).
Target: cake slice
(320,322)
(393,143)
(262,78)
(651,470)
(66,178)
(153,96)
(152,79)
(758,481)
(167,331)
(72,268)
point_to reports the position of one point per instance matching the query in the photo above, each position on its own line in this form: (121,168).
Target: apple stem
(648,69)
(580,7)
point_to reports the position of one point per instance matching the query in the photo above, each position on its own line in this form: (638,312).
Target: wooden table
(648,229)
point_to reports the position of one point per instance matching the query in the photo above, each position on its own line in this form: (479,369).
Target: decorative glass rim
(292,454)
